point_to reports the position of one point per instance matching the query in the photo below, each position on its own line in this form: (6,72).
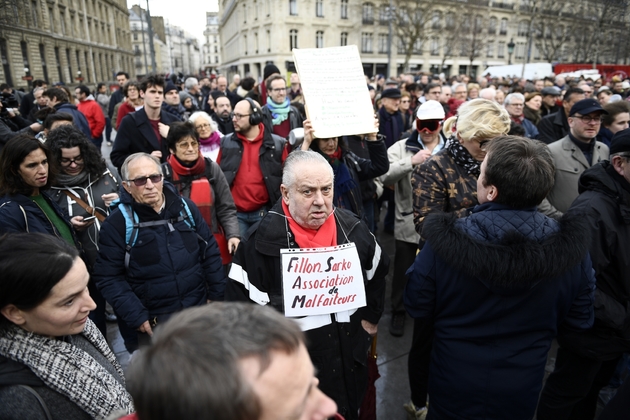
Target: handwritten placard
(322,281)
(335,91)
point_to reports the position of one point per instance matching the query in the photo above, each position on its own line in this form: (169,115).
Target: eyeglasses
(67,162)
(237,117)
(587,119)
(202,127)
(184,145)
(517,105)
(279,89)
(483,144)
(428,125)
(142,181)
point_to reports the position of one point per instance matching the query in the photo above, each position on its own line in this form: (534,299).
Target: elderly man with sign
(322,267)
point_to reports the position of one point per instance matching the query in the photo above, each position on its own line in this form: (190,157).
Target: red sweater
(248,188)
(94,115)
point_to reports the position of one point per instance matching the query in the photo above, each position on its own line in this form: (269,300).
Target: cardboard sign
(337,98)
(322,281)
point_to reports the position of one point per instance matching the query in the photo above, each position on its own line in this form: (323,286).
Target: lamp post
(510,46)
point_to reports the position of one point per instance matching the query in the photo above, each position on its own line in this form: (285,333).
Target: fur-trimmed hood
(508,250)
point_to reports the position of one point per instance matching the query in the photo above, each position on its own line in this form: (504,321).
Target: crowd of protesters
(508,199)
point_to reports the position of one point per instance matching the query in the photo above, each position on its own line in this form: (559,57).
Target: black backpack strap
(39,400)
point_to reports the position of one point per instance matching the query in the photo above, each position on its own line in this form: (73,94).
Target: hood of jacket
(601,178)
(508,250)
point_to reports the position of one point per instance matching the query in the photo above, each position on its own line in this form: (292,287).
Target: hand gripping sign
(318,281)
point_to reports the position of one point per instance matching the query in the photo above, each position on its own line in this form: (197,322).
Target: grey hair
(488,93)
(124,170)
(456,85)
(508,99)
(190,82)
(298,158)
(204,116)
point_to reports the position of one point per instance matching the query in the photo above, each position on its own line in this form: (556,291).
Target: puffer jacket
(604,201)
(338,348)
(18,213)
(497,286)
(170,267)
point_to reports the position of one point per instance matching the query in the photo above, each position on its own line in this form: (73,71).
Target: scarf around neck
(279,112)
(325,236)
(463,157)
(66,180)
(200,189)
(213,140)
(69,370)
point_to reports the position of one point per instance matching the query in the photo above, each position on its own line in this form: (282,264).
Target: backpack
(133,224)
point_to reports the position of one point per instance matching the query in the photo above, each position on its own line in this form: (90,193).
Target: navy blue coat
(497,286)
(78,118)
(32,219)
(169,270)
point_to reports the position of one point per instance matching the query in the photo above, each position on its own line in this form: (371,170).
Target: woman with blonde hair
(447,182)
(473,91)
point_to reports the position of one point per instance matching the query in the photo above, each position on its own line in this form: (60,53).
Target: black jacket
(270,161)
(338,349)
(177,113)
(116,98)
(225,125)
(604,201)
(553,127)
(135,134)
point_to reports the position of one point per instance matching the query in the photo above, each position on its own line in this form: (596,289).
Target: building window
(58,63)
(255,10)
(450,21)
(501,50)
(293,40)
(42,56)
(256,44)
(492,26)
(319,39)
(383,15)
(523,27)
(4,57)
(503,27)
(519,51)
(244,13)
(62,22)
(293,7)
(135,36)
(51,20)
(417,46)
(490,49)
(34,14)
(25,59)
(344,39)
(319,8)
(435,46)
(268,40)
(382,43)
(436,19)
(368,13)
(245,42)
(344,9)
(366,42)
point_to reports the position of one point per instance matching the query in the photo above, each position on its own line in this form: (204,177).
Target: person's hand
(420,157)
(146,328)
(164,129)
(78,223)
(36,127)
(374,136)
(11,113)
(369,327)
(308,134)
(108,198)
(233,245)
(156,154)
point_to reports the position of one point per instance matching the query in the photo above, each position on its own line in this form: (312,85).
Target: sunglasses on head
(428,125)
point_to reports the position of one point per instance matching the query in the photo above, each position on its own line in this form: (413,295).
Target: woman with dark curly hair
(84,188)
(27,170)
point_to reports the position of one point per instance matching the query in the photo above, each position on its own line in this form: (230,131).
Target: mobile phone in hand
(87,219)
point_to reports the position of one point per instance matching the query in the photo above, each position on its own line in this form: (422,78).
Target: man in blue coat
(498,285)
(156,252)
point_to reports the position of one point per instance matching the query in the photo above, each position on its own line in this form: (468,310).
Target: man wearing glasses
(573,154)
(278,109)
(156,254)
(251,159)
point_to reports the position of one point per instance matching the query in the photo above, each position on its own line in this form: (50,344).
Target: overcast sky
(189,15)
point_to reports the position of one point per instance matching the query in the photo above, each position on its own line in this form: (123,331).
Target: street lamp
(510,46)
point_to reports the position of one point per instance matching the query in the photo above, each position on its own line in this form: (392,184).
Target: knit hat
(620,142)
(169,86)
(269,70)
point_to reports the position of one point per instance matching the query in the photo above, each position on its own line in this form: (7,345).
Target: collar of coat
(512,260)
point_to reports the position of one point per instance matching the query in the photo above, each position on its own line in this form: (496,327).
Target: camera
(8,100)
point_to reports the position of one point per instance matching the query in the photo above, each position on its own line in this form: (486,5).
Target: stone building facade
(140,43)
(451,36)
(64,41)
(212,44)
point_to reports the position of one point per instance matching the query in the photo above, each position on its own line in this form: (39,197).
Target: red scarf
(326,235)
(200,191)
(518,120)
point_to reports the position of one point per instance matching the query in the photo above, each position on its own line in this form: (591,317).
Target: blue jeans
(248,219)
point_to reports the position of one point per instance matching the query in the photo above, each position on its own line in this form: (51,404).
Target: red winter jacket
(94,114)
